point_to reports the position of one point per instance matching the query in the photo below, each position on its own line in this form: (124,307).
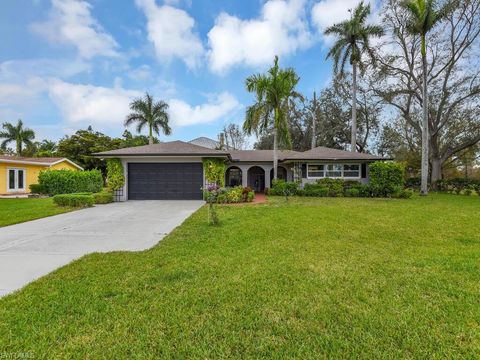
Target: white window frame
(352,177)
(16,189)
(315,177)
(335,177)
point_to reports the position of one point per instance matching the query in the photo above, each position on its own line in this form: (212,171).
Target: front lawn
(311,278)
(13,211)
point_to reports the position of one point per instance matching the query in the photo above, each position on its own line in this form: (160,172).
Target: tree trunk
(150,135)
(19,148)
(314,130)
(353,146)
(436,170)
(424,178)
(275,153)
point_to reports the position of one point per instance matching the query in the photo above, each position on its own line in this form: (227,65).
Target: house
(18,173)
(174,170)
(205,142)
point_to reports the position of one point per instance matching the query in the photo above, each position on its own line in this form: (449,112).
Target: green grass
(307,279)
(13,211)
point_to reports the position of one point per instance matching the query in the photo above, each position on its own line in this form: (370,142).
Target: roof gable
(40,161)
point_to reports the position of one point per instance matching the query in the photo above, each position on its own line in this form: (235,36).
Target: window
(16,179)
(351,171)
(234,177)
(316,171)
(334,170)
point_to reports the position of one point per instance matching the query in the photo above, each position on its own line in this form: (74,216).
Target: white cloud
(89,103)
(108,106)
(281,29)
(71,23)
(218,106)
(171,32)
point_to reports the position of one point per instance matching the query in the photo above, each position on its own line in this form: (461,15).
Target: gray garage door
(165,181)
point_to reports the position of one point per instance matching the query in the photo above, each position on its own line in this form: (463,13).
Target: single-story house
(17,173)
(174,170)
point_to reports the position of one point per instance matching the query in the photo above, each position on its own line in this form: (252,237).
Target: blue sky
(67,64)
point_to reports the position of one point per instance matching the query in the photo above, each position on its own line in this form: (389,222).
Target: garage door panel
(165,181)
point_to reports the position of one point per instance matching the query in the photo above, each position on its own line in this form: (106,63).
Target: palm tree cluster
(353,44)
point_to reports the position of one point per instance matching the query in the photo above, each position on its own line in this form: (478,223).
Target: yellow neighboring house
(18,173)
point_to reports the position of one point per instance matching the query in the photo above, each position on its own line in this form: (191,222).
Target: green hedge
(68,182)
(74,200)
(459,185)
(386,178)
(103,197)
(38,189)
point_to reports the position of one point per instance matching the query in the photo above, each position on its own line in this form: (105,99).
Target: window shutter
(364,171)
(304,171)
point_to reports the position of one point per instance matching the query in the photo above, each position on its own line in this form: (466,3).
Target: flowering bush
(214,194)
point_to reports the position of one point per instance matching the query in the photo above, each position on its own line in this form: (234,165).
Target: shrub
(458,185)
(67,181)
(104,197)
(315,190)
(250,196)
(413,183)
(386,178)
(404,194)
(115,177)
(74,200)
(38,189)
(468,192)
(235,194)
(246,190)
(352,192)
(334,186)
(283,188)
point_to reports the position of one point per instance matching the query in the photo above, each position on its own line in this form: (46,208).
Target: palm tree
(423,16)
(146,112)
(353,40)
(18,134)
(272,91)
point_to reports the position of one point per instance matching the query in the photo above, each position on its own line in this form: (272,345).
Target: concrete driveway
(35,248)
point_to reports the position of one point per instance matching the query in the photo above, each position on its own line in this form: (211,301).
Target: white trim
(16,169)
(68,161)
(25,162)
(335,177)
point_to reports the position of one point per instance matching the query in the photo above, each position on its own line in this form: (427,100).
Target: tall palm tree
(146,112)
(18,134)
(272,91)
(352,41)
(423,16)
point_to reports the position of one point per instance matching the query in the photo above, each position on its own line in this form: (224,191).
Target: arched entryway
(281,173)
(233,176)
(256,178)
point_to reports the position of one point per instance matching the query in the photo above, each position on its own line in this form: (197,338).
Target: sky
(68,64)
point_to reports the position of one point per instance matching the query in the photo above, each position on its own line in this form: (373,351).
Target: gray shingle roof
(324,153)
(259,155)
(171,148)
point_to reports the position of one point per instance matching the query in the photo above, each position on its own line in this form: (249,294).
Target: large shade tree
(18,134)
(154,115)
(352,41)
(453,78)
(423,15)
(270,111)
